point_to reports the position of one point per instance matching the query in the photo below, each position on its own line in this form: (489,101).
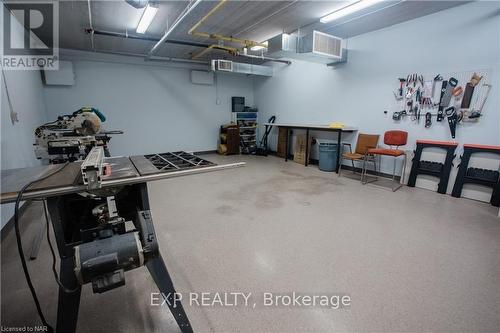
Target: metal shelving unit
(247,123)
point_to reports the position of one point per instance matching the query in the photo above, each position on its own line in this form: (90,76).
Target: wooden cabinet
(229,140)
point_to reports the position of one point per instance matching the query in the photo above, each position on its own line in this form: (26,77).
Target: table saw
(100,213)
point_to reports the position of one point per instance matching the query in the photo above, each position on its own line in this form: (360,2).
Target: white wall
(26,95)
(463,38)
(157,106)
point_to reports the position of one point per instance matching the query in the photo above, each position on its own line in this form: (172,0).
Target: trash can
(327,156)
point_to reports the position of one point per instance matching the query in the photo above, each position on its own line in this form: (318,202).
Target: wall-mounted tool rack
(449,98)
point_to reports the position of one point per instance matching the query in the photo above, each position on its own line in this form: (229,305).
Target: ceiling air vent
(327,45)
(222,65)
(322,44)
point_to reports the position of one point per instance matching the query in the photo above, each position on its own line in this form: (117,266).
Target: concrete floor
(411,261)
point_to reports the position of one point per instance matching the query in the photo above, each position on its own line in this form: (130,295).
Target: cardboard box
(299,152)
(281,142)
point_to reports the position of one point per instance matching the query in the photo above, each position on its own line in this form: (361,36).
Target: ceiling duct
(315,47)
(227,66)
(321,44)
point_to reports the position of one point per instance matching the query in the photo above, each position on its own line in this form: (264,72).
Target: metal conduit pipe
(286,62)
(196,63)
(180,42)
(150,39)
(158,58)
(181,17)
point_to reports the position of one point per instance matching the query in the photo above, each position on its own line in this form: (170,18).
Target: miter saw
(71,137)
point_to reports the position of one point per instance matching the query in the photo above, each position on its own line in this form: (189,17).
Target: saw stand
(489,178)
(73,225)
(436,169)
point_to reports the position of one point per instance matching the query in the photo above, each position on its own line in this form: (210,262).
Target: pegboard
(412,106)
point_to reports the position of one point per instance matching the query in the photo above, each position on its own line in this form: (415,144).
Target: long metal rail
(11,197)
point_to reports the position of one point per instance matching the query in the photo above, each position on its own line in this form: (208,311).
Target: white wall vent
(219,65)
(327,45)
(321,44)
(222,65)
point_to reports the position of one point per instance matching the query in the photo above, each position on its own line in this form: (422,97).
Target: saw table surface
(124,171)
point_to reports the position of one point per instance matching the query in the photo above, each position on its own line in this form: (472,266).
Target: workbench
(309,127)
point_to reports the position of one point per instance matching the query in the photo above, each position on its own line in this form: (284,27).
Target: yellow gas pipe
(231,50)
(245,42)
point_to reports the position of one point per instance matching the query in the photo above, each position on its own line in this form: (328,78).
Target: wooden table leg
(286,143)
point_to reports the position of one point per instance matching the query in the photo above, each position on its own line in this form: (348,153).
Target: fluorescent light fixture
(349,9)
(258,47)
(147,17)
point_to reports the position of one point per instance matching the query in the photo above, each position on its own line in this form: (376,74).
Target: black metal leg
(495,196)
(445,174)
(462,169)
(37,241)
(158,271)
(286,143)
(339,139)
(69,303)
(307,147)
(414,167)
(265,141)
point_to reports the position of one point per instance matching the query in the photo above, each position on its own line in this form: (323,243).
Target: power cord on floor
(20,246)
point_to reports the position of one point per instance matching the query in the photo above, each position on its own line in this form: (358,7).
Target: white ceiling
(256,20)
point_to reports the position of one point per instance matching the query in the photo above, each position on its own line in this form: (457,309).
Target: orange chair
(364,142)
(394,139)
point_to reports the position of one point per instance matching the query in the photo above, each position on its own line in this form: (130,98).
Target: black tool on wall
(452,117)
(440,115)
(446,94)
(428,120)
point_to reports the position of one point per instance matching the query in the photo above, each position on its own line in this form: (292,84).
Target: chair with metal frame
(394,139)
(364,142)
